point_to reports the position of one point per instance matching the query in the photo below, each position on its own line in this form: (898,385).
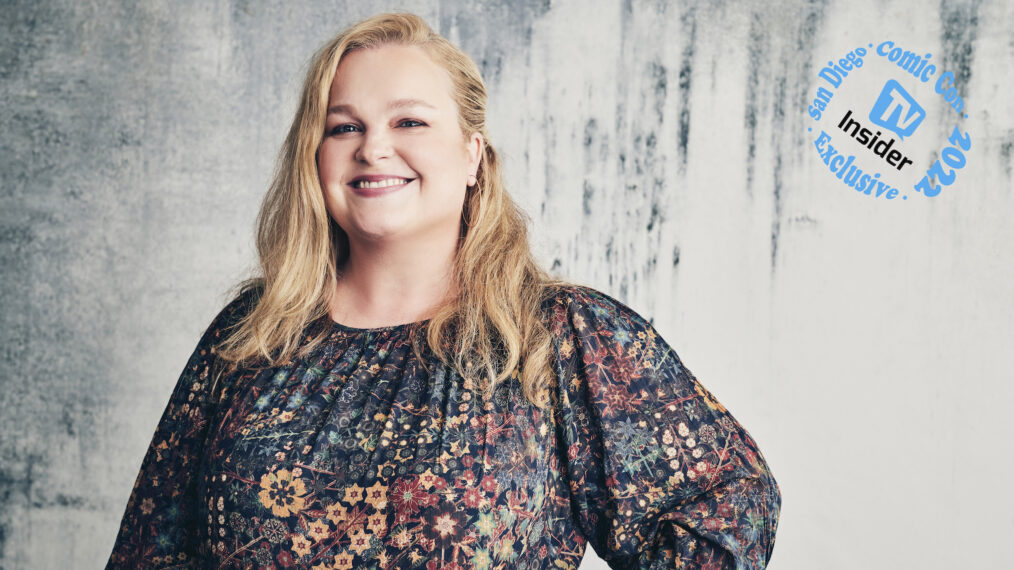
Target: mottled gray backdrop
(661,149)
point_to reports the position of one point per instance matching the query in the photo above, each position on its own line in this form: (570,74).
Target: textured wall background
(661,151)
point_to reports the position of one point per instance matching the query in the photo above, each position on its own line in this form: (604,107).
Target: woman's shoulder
(583,308)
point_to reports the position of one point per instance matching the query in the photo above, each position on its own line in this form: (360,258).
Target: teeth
(381,183)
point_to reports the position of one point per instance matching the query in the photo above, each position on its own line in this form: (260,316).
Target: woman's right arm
(159,526)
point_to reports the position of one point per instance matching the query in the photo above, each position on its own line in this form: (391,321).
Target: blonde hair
(497,319)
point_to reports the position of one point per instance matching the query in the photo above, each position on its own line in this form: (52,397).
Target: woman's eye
(342,129)
(414,123)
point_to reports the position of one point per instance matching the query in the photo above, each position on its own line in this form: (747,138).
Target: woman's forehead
(398,72)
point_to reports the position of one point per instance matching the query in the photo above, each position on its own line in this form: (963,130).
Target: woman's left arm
(662,475)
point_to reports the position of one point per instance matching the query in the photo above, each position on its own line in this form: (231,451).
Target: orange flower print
(147,505)
(353,494)
(282,493)
(427,479)
(377,496)
(566,348)
(318,530)
(336,513)
(360,541)
(377,523)
(343,561)
(300,545)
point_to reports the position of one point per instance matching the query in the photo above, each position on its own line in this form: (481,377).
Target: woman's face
(393,125)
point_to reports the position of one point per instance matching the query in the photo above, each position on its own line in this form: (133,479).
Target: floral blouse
(356,457)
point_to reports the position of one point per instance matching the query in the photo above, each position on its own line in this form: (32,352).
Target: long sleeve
(661,475)
(159,526)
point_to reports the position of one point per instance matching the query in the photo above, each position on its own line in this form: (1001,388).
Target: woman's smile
(369,186)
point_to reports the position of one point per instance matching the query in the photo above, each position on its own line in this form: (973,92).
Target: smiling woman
(382,142)
(405,387)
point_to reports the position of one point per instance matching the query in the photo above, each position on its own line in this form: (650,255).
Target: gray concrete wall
(663,152)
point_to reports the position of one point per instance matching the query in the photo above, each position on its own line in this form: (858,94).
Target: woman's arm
(159,526)
(661,474)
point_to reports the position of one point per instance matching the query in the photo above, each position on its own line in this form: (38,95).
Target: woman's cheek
(326,167)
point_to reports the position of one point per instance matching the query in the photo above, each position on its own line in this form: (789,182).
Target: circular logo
(869,129)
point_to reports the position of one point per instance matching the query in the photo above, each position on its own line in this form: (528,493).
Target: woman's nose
(375,144)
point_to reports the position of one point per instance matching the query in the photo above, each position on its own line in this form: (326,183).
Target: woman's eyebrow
(393,105)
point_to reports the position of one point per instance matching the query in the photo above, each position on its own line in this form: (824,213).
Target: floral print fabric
(356,457)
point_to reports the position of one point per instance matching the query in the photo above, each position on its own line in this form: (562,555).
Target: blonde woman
(404,387)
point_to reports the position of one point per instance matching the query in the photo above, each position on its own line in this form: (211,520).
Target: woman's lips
(371,192)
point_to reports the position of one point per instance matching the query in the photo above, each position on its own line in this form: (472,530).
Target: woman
(405,388)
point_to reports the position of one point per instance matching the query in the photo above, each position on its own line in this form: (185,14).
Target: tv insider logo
(864,149)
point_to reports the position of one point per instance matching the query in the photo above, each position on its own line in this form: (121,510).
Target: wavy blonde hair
(495,326)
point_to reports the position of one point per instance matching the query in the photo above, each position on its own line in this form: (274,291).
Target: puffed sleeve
(158,529)
(661,475)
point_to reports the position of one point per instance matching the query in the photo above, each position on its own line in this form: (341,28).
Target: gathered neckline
(335,324)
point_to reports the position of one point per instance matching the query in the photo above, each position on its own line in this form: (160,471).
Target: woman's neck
(383,288)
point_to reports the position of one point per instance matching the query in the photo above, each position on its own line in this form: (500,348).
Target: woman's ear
(475,144)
